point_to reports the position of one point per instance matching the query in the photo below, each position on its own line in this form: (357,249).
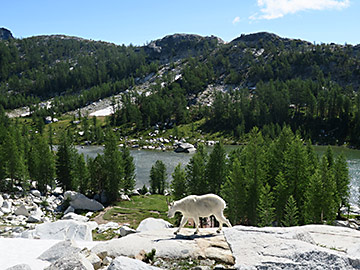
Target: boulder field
(239,247)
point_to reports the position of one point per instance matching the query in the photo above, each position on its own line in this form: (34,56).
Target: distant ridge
(5,34)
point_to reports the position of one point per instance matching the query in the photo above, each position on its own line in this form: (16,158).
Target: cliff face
(5,34)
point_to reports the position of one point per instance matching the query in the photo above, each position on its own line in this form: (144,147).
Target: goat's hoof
(196,232)
(175,233)
(218,231)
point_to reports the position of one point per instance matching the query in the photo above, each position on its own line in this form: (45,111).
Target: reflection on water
(145,159)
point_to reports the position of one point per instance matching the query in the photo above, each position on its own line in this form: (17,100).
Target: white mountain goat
(194,207)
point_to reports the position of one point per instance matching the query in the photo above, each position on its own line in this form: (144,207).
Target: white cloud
(236,20)
(272,9)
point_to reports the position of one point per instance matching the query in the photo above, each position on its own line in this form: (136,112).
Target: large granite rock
(306,247)
(59,250)
(207,245)
(80,201)
(61,230)
(153,224)
(125,263)
(76,261)
(19,267)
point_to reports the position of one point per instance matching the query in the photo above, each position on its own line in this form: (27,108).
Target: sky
(140,21)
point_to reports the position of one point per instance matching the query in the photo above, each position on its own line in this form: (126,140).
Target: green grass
(138,209)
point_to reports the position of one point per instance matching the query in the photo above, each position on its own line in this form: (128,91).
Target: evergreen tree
(297,172)
(235,193)
(216,169)
(81,173)
(266,211)
(14,162)
(281,193)
(195,173)
(178,183)
(329,198)
(65,163)
(254,172)
(158,178)
(43,164)
(129,170)
(97,174)
(342,179)
(313,199)
(114,167)
(290,213)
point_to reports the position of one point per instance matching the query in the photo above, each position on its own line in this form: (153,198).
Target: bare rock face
(153,224)
(306,247)
(80,201)
(61,230)
(59,250)
(124,263)
(206,245)
(5,34)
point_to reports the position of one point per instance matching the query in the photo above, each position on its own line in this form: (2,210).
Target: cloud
(236,20)
(272,9)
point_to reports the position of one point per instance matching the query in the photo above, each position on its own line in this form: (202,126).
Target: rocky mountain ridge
(5,34)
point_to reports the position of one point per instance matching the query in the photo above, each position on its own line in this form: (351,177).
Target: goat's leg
(196,221)
(182,223)
(220,217)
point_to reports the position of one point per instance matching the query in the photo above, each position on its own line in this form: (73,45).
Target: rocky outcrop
(80,201)
(124,263)
(185,148)
(61,230)
(305,247)
(153,224)
(208,245)
(5,34)
(179,46)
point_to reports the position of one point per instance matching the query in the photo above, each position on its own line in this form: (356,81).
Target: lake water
(145,159)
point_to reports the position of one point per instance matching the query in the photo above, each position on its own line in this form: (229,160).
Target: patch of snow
(104,112)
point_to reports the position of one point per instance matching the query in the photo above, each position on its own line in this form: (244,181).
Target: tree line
(26,154)
(269,182)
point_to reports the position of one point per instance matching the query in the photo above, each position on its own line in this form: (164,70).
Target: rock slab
(80,201)
(125,263)
(305,247)
(206,245)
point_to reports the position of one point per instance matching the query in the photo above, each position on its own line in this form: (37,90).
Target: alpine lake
(145,159)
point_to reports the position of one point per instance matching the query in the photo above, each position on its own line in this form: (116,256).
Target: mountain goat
(194,207)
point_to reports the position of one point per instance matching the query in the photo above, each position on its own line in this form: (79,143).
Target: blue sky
(140,21)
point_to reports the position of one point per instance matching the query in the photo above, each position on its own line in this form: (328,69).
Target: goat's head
(171,211)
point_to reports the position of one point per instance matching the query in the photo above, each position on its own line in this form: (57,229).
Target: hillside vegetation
(258,80)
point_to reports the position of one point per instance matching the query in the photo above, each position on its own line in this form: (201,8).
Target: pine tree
(14,164)
(342,179)
(195,173)
(178,183)
(254,172)
(329,198)
(114,167)
(266,211)
(97,174)
(129,170)
(281,194)
(65,163)
(297,172)
(81,173)
(235,193)
(290,213)
(43,164)
(313,199)
(216,169)
(158,178)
